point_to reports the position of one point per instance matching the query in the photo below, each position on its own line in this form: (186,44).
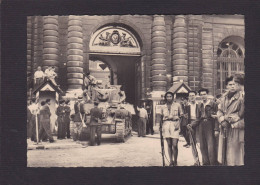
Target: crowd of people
(218,124)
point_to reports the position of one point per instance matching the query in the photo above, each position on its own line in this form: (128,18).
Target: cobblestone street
(135,152)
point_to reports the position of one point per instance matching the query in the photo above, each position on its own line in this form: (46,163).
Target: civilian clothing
(141,123)
(234,109)
(171,120)
(34,109)
(45,123)
(207,127)
(143,113)
(76,130)
(171,129)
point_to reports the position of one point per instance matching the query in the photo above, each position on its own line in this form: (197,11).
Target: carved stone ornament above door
(114,40)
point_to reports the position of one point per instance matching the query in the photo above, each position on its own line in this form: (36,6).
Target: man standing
(171,113)
(61,115)
(192,115)
(231,118)
(67,118)
(38,76)
(143,117)
(95,125)
(45,115)
(206,128)
(34,109)
(149,125)
(78,118)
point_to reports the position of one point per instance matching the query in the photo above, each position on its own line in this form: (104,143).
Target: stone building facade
(145,53)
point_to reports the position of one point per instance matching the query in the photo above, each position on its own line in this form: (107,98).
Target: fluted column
(50,42)
(207,57)
(180,57)
(35,41)
(159,80)
(29,49)
(75,53)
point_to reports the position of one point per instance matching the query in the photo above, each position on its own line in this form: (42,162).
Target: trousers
(141,126)
(207,142)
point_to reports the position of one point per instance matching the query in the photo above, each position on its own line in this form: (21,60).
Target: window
(230,60)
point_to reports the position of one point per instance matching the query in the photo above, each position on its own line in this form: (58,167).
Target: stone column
(194,51)
(143,91)
(75,54)
(159,80)
(207,57)
(38,40)
(29,50)
(180,57)
(50,42)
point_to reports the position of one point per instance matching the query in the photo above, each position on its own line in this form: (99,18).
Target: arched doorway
(119,49)
(230,60)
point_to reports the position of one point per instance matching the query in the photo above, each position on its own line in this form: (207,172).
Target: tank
(116,116)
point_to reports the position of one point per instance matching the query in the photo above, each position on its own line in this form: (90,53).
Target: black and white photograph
(135,90)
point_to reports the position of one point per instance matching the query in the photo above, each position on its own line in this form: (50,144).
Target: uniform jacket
(95,115)
(60,111)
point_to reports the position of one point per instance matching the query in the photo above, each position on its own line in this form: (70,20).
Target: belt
(171,120)
(205,119)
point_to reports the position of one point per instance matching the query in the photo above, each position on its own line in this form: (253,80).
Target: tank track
(120,131)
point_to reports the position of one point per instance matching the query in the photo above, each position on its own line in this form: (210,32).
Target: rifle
(37,134)
(162,142)
(224,147)
(194,148)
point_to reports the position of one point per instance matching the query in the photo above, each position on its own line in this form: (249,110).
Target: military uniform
(95,126)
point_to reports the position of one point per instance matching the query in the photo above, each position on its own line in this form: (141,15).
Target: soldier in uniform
(61,115)
(95,126)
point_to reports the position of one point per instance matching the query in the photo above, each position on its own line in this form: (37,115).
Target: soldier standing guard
(95,125)
(61,124)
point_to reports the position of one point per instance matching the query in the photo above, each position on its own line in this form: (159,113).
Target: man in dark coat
(61,114)
(45,115)
(67,118)
(149,124)
(95,126)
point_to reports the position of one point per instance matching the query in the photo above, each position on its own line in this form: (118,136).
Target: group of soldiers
(218,124)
